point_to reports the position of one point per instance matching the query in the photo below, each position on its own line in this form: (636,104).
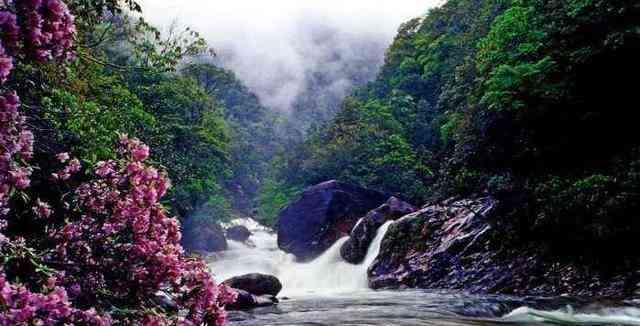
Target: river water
(330,291)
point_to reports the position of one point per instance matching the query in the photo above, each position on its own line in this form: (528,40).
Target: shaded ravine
(330,291)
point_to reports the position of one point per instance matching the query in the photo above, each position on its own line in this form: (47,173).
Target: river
(330,291)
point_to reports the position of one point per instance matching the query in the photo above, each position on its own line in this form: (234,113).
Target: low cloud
(279,47)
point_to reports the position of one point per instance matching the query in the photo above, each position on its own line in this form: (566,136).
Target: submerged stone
(238,233)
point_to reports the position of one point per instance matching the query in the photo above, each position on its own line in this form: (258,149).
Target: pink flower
(20,177)
(25,142)
(73,166)
(140,153)
(63,157)
(42,209)
(6,65)
(104,169)
(27,307)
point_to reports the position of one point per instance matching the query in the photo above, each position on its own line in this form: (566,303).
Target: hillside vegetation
(529,101)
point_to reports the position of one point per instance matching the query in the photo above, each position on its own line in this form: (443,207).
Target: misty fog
(295,55)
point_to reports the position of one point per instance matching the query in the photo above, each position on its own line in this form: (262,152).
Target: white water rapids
(330,291)
(328,273)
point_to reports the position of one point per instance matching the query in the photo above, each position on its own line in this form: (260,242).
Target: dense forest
(528,101)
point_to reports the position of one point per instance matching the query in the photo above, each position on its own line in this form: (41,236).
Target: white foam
(327,274)
(604,316)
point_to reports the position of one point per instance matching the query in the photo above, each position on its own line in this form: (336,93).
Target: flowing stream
(330,291)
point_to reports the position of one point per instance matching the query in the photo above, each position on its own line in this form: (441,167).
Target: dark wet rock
(323,214)
(355,249)
(419,248)
(238,233)
(256,284)
(246,301)
(203,235)
(454,245)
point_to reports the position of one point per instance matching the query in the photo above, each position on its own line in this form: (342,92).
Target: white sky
(266,35)
(206,15)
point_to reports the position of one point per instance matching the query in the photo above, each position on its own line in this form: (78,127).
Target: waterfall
(326,274)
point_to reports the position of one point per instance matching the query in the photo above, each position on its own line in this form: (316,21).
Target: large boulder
(460,244)
(355,249)
(238,233)
(323,214)
(423,247)
(203,235)
(256,284)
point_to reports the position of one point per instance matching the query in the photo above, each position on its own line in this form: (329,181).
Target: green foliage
(191,140)
(274,195)
(252,133)
(515,36)
(367,146)
(92,109)
(524,99)
(394,134)
(122,83)
(507,82)
(449,129)
(94,12)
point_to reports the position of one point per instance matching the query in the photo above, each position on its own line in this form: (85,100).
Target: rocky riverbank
(454,244)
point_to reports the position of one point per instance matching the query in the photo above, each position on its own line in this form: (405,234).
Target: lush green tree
(91,107)
(252,129)
(192,141)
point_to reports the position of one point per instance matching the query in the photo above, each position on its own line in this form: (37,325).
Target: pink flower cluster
(19,306)
(42,210)
(48,29)
(9,39)
(123,240)
(73,166)
(43,30)
(16,143)
(6,64)
(203,299)
(38,29)
(122,203)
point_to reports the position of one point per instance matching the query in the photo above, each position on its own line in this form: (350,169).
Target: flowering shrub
(48,29)
(6,64)
(17,146)
(114,247)
(22,306)
(8,43)
(122,240)
(42,30)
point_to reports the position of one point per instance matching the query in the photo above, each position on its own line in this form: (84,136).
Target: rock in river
(425,247)
(238,233)
(457,244)
(202,235)
(256,284)
(323,214)
(355,249)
